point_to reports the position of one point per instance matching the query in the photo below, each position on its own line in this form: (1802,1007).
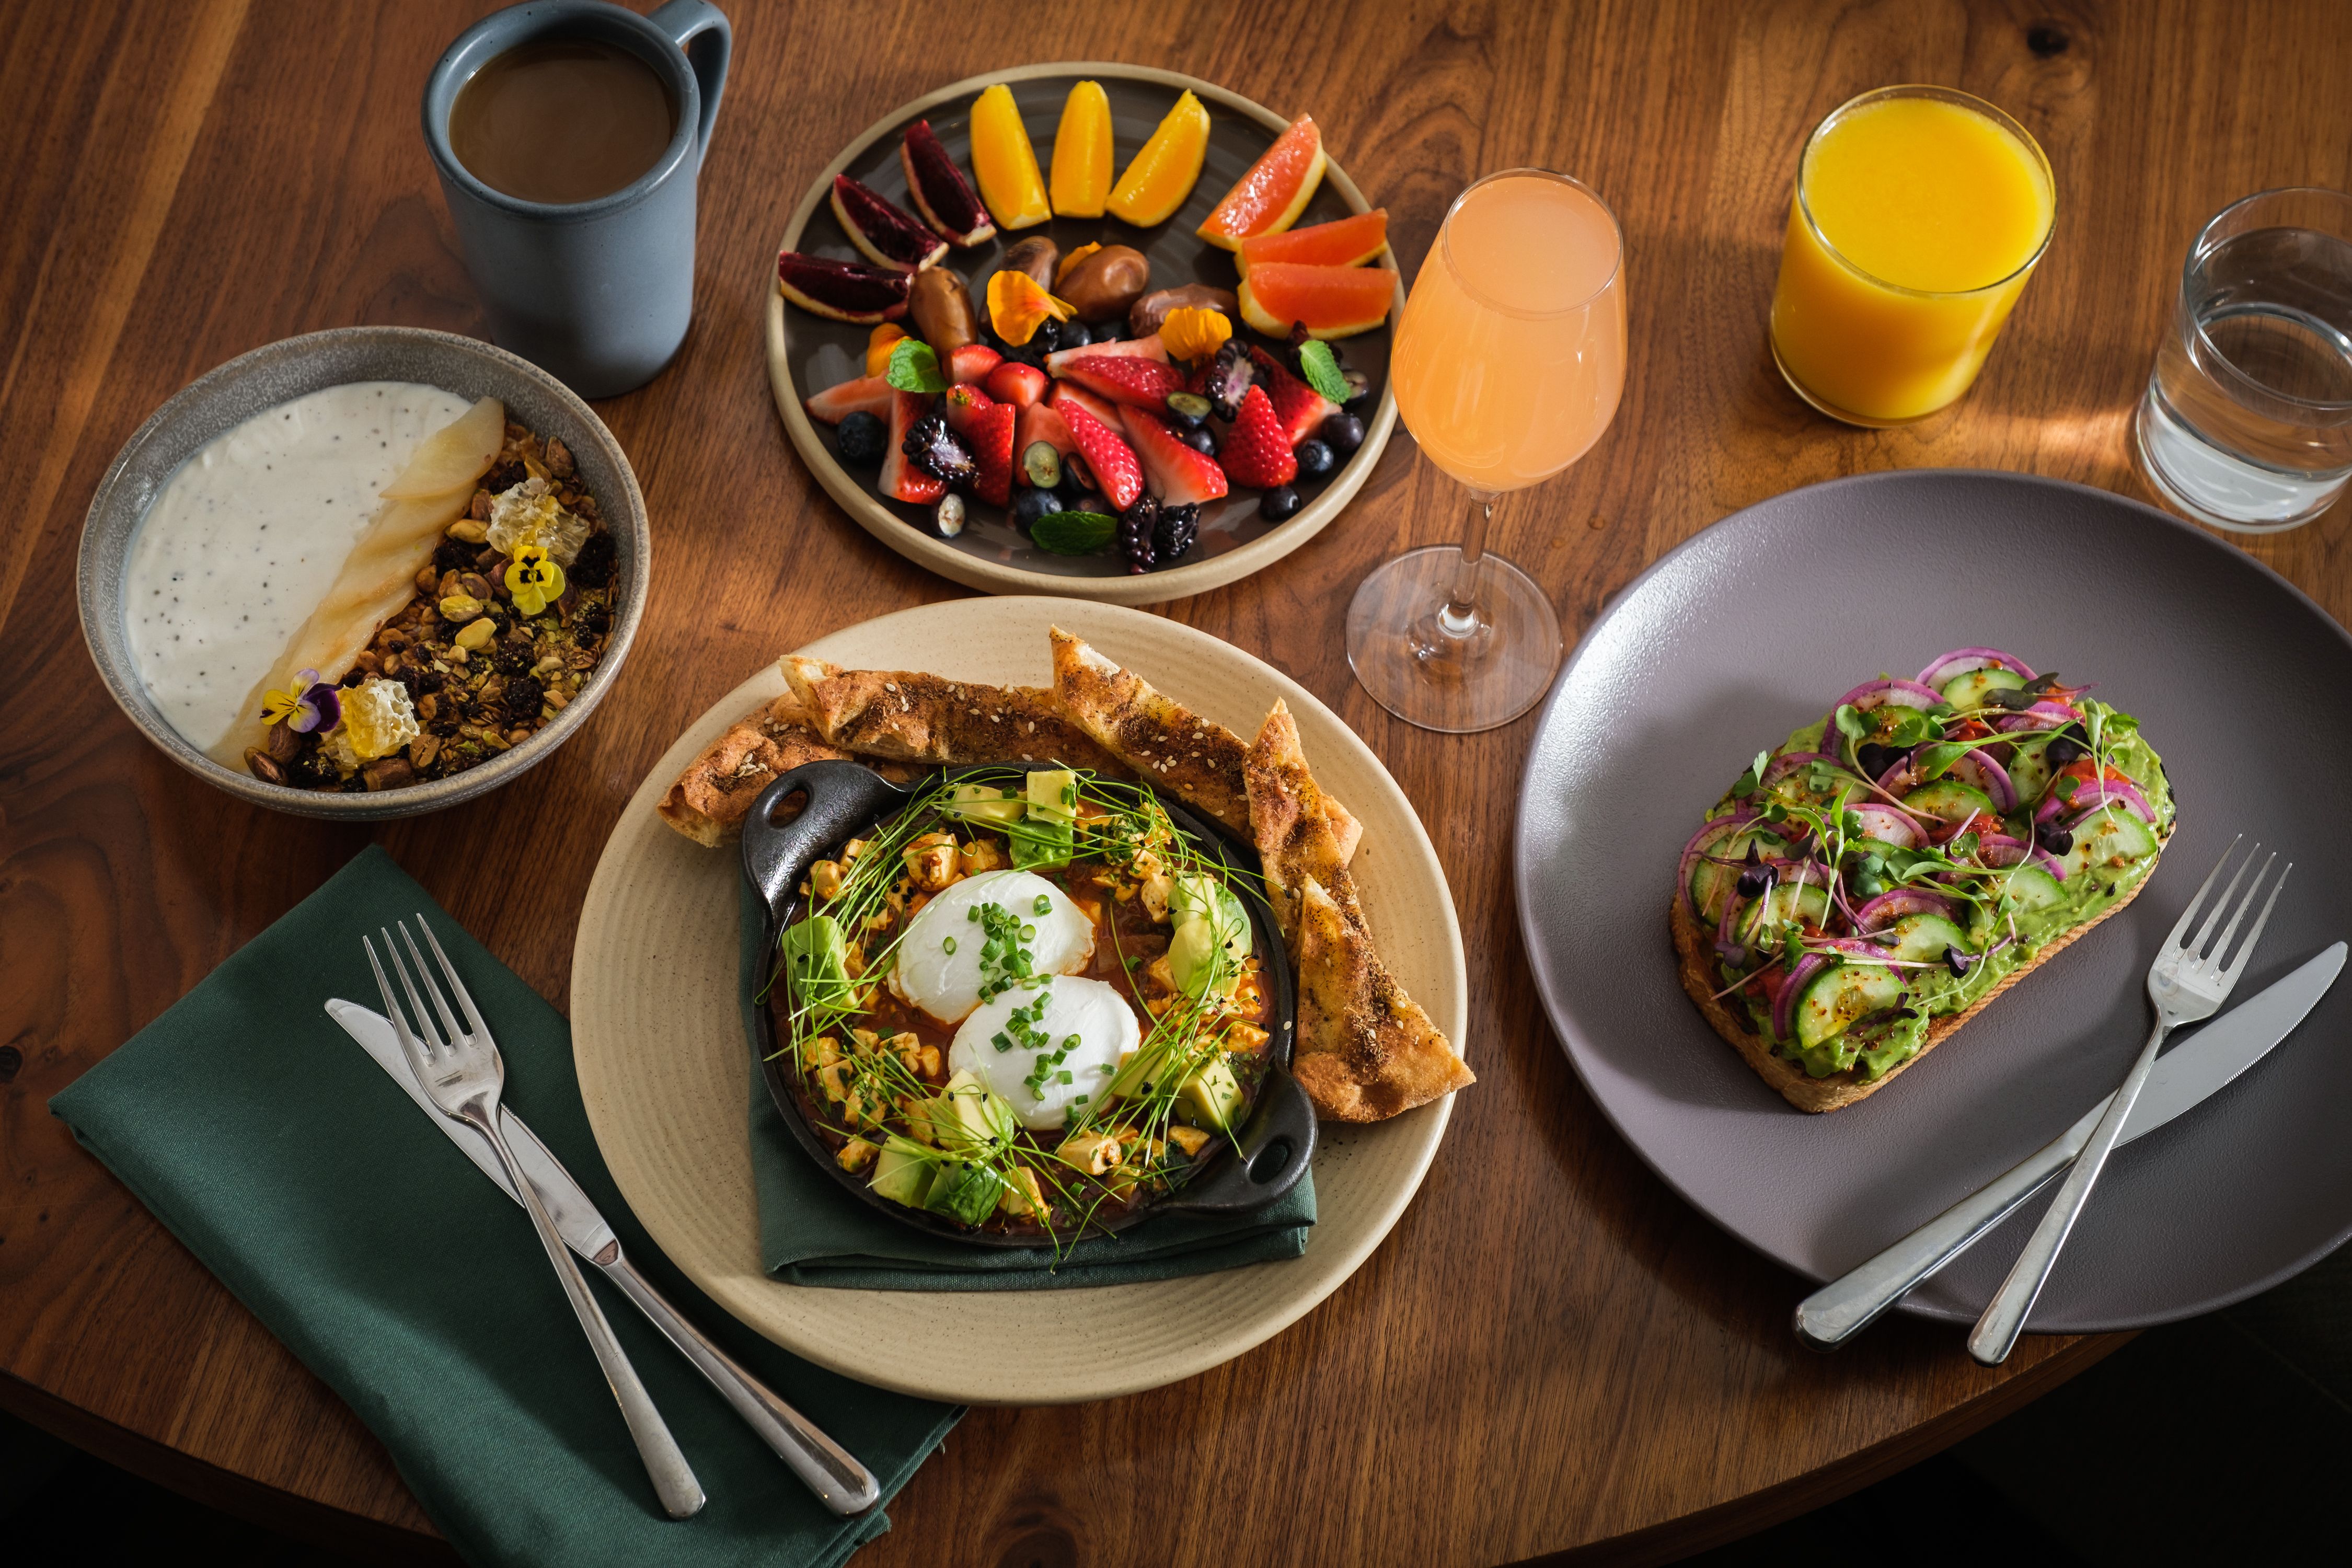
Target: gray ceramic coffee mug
(599,292)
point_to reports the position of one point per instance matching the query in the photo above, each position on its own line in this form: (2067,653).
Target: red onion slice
(2041,716)
(1902,693)
(1961,660)
(1896,902)
(2050,863)
(1715,828)
(1883,821)
(2111,792)
(1784,1005)
(1974,767)
(2000,850)
(1782,767)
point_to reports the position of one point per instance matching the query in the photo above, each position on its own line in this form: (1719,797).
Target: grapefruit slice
(1349,242)
(1005,163)
(1167,168)
(1329,302)
(1269,198)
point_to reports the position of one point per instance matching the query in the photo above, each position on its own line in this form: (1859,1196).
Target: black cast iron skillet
(845,800)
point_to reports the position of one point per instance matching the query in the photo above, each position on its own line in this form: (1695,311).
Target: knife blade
(2183,1077)
(839,1481)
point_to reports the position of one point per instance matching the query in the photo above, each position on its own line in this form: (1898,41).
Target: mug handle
(685,21)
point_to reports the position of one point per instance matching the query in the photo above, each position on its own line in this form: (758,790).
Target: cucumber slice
(2109,839)
(1808,905)
(1967,691)
(2034,888)
(1711,883)
(1949,800)
(1839,995)
(1922,938)
(2030,770)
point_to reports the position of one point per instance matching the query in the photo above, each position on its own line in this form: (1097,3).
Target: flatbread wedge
(1365,1049)
(1200,762)
(711,799)
(912,717)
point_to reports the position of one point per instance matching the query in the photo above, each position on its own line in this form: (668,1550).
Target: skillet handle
(841,798)
(1277,1146)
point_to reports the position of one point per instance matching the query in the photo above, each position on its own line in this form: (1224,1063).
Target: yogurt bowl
(277,374)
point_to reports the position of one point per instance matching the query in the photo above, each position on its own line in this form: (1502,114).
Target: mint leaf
(914,367)
(1321,369)
(1073,532)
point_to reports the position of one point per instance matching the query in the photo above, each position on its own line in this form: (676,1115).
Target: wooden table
(1552,1351)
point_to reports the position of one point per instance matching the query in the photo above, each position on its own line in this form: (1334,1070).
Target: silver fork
(463,1076)
(2187,981)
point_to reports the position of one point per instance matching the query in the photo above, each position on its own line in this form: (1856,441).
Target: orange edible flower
(1017,307)
(1062,273)
(878,346)
(1192,333)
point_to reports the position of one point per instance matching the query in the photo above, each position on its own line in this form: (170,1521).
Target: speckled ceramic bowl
(224,398)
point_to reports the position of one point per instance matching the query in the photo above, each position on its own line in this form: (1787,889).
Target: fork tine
(2230,974)
(2221,904)
(465,997)
(2190,913)
(424,974)
(2238,913)
(424,1028)
(410,1046)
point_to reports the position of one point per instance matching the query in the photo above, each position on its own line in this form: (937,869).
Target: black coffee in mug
(561,119)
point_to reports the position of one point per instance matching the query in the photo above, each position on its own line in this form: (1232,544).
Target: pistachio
(471,529)
(517,735)
(1103,285)
(388,773)
(941,309)
(474,586)
(427,707)
(477,632)
(263,766)
(283,744)
(460,608)
(448,586)
(425,748)
(427,579)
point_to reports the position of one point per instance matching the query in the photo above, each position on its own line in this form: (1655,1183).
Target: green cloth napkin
(813,1233)
(271,1144)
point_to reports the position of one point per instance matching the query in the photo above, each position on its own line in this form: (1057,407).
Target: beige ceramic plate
(807,352)
(666,1075)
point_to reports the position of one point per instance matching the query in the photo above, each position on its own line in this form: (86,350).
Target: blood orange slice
(1269,198)
(1350,242)
(1329,302)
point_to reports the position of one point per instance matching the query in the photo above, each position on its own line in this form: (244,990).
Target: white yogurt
(249,534)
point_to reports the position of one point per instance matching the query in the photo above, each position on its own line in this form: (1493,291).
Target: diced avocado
(1054,792)
(1195,961)
(1201,897)
(969,1117)
(979,803)
(1211,1097)
(1040,841)
(1129,1081)
(902,1172)
(964,1192)
(816,958)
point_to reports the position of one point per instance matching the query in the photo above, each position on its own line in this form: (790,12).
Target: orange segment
(1082,153)
(1269,198)
(1165,170)
(1329,302)
(1349,242)
(1005,163)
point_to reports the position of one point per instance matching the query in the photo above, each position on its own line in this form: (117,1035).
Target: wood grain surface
(1552,1351)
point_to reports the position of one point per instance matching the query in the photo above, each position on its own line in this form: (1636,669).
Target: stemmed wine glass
(1507,366)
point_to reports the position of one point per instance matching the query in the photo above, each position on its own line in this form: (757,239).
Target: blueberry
(1187,410)
(1076,478)
(1278,504)
(1029,505)
(861,438)
(1088,500)
(1201,439)
(1343,433)
(1075,335)
(1315,459)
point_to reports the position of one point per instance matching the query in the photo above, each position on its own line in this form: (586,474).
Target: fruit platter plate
(1245,485)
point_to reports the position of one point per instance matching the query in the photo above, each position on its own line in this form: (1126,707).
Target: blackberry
(1136,526)
(938,453)
(592,567)
(1177,527)
(1229,379)
(453,555)
(861,438)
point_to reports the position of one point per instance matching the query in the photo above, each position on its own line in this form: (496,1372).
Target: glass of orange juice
(1507,366)
(1919,212)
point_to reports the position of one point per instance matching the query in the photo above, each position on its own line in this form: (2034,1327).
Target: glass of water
(2247,424)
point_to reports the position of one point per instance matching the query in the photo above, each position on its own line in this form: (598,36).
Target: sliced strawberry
(970,365)
(1256,451)
(1111,459)
(989,434)
(1196,380)
(960,404)
(1298,406)
(901,480)
(866,394)
(1040,422)
(1177,474)
(1067,393)
(1017,383)
(1128,347)
(1137,382)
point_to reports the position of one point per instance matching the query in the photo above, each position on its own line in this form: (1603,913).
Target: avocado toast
(1863,889)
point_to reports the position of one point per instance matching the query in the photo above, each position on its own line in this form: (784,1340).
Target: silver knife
(2183,1077)
(840,1482)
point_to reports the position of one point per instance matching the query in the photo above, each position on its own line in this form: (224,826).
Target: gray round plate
(1748,631)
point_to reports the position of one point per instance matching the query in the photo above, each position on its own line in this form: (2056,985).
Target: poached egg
(937,968)
(1079,1027)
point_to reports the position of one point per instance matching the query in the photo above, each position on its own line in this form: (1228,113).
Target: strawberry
(960,404)
(1137,382)
(901,480)
(1111,460)
(1298,406)
(866,394)
(1040,422)
(1017,383)
(1178,475)
(1257,451)
(970,365)
(989,434)
(1067,393)
(1150,348)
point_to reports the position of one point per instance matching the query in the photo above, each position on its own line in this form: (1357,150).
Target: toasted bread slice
(1365,1050)
(709,800)
(912,717)
(1199,762)
(1799,1088)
